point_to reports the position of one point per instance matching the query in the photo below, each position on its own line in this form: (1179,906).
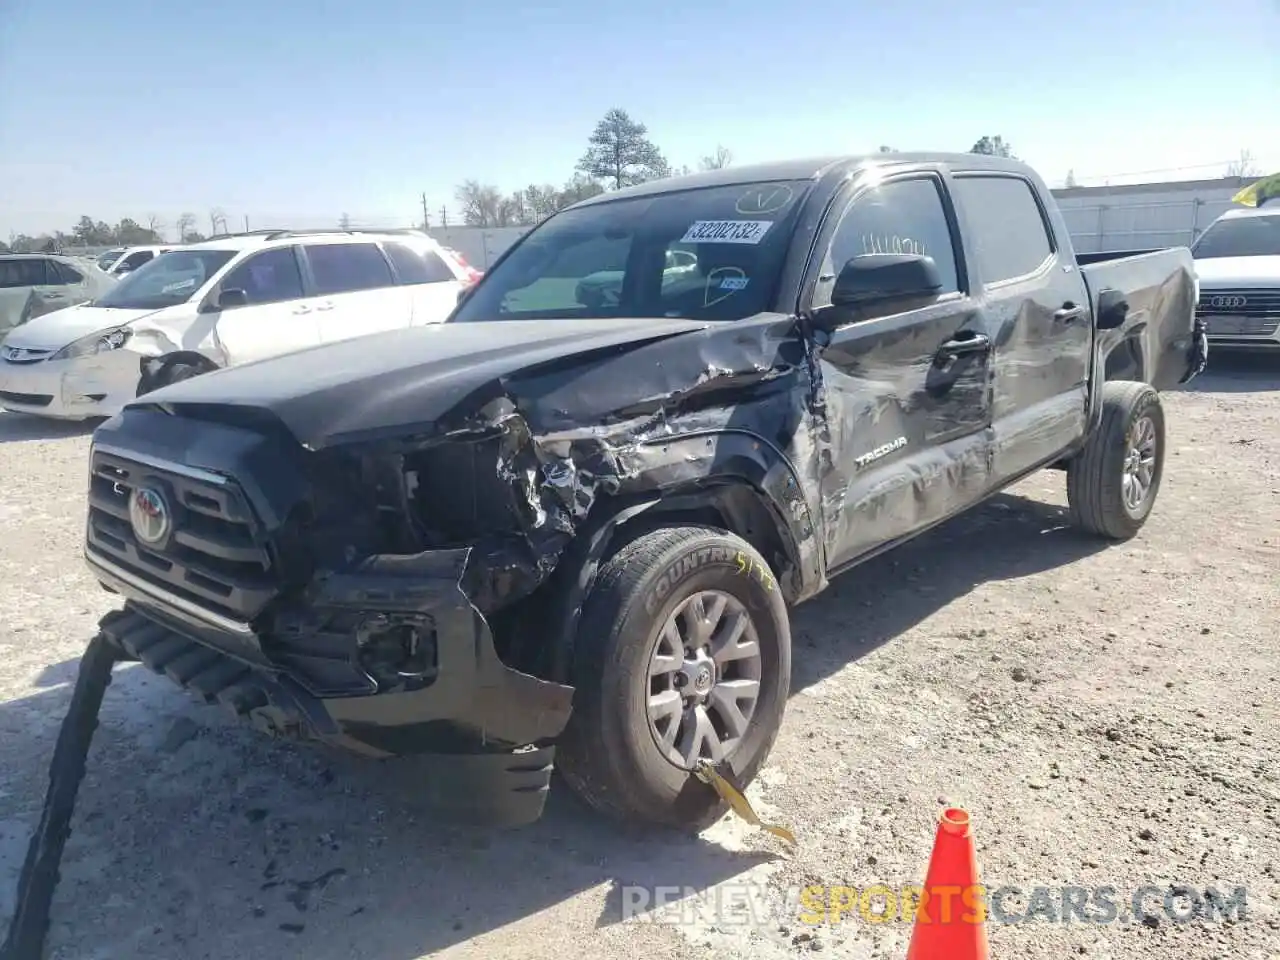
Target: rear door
(279,317)
(1039,307)
(61,286)
(431,285)
(20,278)
(904,392)
(355,290)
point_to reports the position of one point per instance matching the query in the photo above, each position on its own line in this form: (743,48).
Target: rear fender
(1157,341)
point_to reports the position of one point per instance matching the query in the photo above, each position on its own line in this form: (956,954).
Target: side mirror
(231,298)
(1113,309)
(879,278)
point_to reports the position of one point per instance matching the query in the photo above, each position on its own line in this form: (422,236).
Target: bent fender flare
(690,462)
(152,370)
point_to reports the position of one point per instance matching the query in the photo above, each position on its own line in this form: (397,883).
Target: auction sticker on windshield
(726,231)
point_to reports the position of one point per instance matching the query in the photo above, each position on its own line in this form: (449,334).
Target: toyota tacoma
(563,532)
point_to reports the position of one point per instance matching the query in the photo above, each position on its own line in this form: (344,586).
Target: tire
(609,753)
(173,373)
(1096,477)
(181,371)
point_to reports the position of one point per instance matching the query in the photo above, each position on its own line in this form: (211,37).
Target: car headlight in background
(104,341)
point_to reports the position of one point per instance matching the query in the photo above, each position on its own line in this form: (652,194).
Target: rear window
(344,267)
(1009,232)
(712,253)
(418,265)
(66,272)
(26,272)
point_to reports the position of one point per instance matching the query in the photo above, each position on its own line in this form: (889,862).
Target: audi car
(1238,266)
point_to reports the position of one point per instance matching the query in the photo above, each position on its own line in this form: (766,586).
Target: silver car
(32,284)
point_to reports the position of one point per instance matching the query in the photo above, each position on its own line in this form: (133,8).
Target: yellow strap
(738,802)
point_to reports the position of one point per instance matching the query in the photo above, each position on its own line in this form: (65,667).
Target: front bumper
(80,389)
(481,730)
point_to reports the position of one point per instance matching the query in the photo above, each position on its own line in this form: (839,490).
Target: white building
(1144,216)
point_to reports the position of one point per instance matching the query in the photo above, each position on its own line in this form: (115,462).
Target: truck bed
(1161,290)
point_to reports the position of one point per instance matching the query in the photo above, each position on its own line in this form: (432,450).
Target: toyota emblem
(1227,303)
(149,514)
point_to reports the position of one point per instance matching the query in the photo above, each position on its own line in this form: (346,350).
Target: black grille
(213,556)
(1240,313)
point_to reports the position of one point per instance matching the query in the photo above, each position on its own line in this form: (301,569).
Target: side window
(135,260)
(1011,238)
(25,272)
(343,267)
(904,216)
(64,273)
(421,265)
(268,277)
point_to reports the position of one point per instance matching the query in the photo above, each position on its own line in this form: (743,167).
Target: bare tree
(185,223)
(481,204)
(155,225)
(1243,167)
(718,160)
(217,221)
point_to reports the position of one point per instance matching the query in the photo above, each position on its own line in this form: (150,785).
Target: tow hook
(737,801)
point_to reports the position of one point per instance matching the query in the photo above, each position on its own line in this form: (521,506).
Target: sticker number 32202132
(726,231)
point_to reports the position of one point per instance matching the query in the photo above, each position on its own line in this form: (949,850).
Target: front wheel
(1112,483)
(683,654)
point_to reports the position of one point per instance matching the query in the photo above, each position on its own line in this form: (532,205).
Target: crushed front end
(344,595)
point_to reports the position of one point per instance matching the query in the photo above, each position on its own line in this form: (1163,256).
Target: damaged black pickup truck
(562,529)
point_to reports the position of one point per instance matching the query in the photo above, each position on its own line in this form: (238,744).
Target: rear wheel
(1112,483)
(683,654)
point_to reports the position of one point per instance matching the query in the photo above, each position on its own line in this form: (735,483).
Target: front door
(278,318)
(905,393)
(1038,305)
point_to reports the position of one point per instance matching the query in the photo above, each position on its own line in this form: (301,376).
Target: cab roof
(809,168)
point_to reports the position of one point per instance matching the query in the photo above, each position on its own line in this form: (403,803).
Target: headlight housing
(104,341)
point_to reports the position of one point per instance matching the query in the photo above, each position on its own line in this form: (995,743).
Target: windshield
(169,279)
(1242,237)
(713,253)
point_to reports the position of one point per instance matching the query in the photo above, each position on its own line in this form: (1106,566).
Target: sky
(292,113)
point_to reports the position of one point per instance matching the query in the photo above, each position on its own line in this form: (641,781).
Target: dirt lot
(1108,715)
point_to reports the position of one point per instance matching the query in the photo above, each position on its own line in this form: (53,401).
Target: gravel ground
(1108,715)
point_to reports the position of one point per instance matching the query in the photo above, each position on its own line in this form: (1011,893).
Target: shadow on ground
(196,837)
(1237,371)
(15,427)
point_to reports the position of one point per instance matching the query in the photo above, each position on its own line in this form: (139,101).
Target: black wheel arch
(749,489)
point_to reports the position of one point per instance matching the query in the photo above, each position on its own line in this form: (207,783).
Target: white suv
(219,303)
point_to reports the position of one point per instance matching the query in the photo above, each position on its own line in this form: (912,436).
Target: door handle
(301,309)
(325,306)
(959,346)
(1069,313)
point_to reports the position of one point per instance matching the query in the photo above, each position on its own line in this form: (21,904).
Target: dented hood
(407,378)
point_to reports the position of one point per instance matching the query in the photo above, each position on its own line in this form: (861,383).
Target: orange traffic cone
(950,920)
